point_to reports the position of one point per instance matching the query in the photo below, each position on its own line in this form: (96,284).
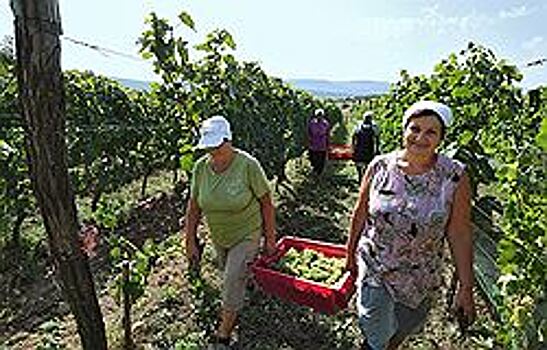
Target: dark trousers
(317,160)
(361,165)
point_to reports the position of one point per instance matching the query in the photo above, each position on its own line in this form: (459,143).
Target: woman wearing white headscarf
(409,201)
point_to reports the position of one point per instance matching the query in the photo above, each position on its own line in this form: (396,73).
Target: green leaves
(187,20)
(5,149)
(228,39)
(205,301)
(465,137)
(133,266)
(187,159)
(541,138)
(268,117)
(16,199)
(216,42)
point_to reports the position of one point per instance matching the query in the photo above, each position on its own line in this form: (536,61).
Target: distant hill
(134,84)
(316,87)
(336,88)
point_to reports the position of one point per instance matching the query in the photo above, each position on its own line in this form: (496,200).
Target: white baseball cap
(440,109)
(319,112)
(368,114)
(214,131)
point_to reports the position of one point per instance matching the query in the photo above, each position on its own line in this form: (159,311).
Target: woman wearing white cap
(230,188)
(409,200)
(318,140)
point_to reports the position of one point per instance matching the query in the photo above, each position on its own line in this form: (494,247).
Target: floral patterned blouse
(401,245)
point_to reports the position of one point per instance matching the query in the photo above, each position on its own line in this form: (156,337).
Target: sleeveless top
(402,243)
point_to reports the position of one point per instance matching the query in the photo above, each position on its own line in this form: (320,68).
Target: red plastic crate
(318,296)
(340,151)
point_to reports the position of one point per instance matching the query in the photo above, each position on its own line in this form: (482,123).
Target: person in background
(365,143)
(409,201)
(318,140)
(230,188)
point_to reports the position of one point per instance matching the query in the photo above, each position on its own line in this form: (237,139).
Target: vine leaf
(541,138)
(187,20)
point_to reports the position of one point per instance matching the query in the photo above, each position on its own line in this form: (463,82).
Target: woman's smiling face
(422,135)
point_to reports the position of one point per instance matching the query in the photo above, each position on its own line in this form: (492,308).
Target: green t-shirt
(230,200)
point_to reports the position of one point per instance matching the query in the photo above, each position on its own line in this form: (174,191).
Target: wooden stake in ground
(41,95)
(126,318)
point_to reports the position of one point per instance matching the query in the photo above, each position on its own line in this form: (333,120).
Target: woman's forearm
(460,234)
(356,226)
(267,210)
(462,251)
(359,216)
(193,214)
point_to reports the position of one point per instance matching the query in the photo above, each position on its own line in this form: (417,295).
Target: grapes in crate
(311,265)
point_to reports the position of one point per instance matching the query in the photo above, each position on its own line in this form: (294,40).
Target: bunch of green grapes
(311,265)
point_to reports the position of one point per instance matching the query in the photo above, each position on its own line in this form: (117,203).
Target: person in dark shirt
(365,143)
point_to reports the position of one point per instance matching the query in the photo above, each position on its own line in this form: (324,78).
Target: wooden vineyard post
(42,105)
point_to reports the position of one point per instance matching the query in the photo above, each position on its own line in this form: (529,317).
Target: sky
(311,39)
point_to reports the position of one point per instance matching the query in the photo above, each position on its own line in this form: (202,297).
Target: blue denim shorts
(381,318)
